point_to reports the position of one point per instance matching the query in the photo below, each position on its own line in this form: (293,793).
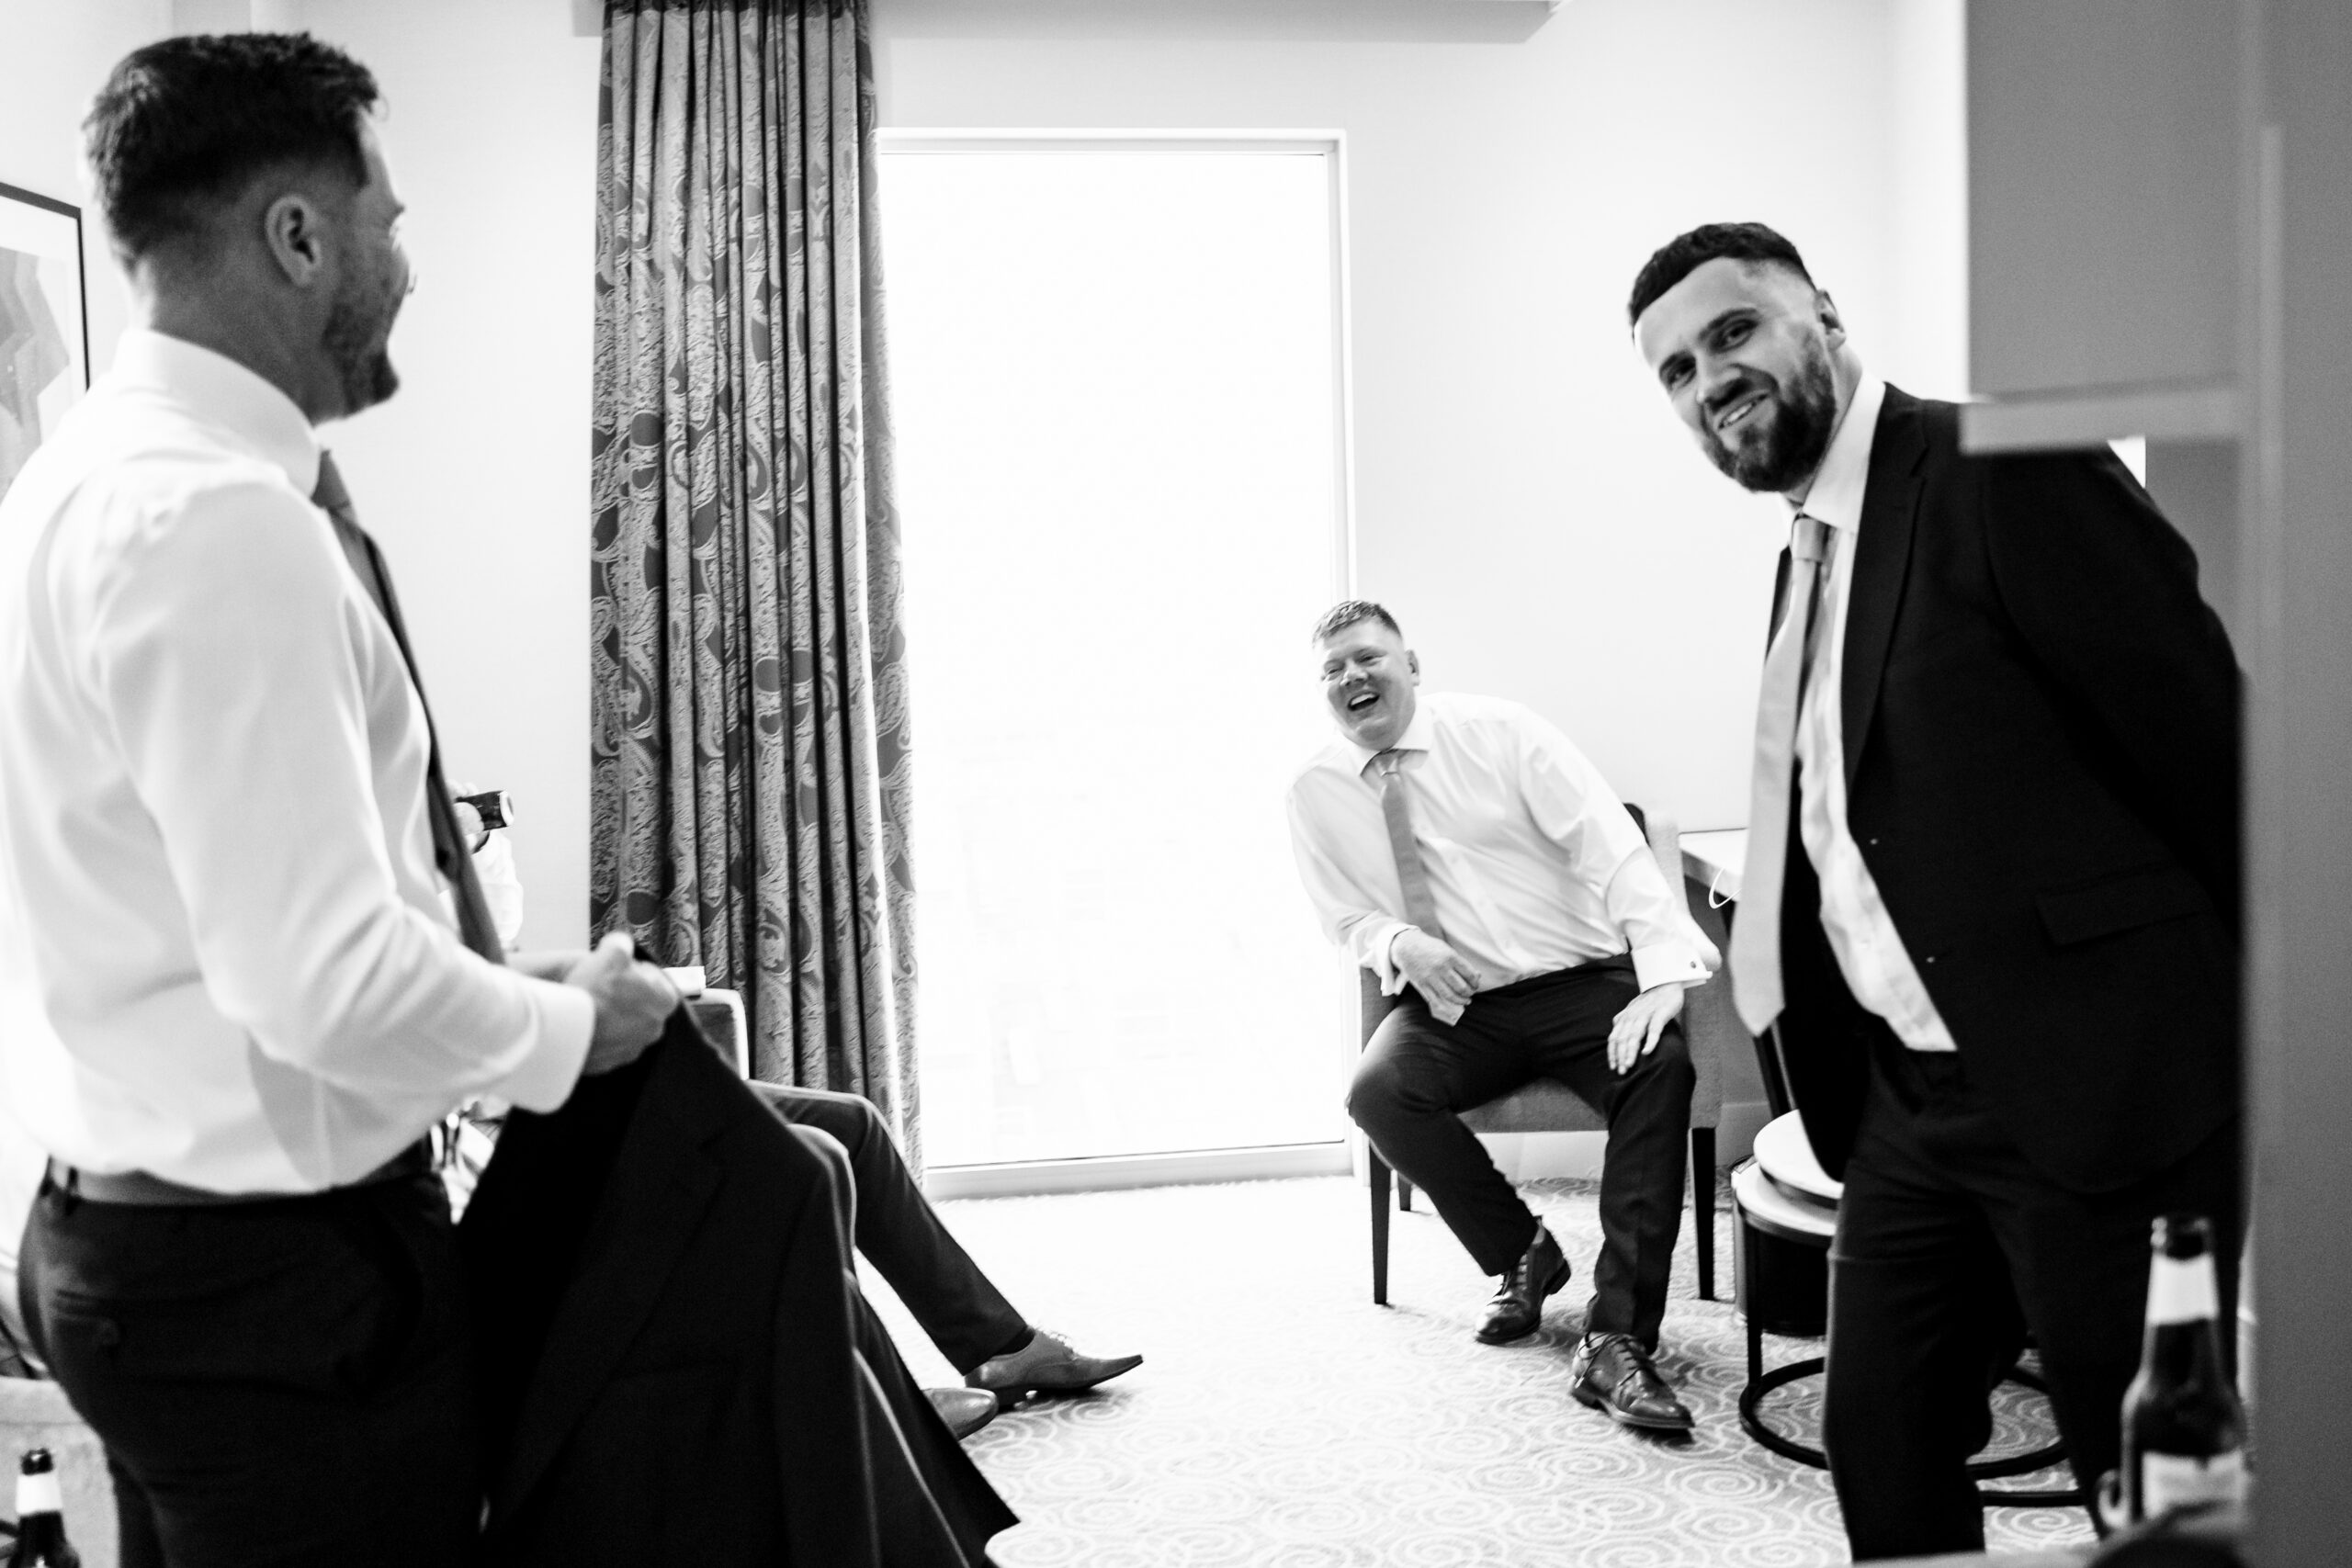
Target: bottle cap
(2182,1236)
(37,1461)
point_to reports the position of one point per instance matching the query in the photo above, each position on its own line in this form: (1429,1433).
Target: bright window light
(1114,383)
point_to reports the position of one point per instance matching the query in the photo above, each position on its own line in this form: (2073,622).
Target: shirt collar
(1415,739)
(226,395)
(1836,497)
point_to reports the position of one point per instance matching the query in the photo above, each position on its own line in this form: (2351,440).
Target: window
(1116,391)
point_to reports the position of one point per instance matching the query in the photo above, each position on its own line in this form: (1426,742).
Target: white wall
(475,478)
(54,57)
(1525,501)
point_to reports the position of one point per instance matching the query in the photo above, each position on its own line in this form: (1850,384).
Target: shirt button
(1932,958)
(1872,842)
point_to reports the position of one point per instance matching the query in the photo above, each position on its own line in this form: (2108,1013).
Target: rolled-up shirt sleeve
(1573,805)
(223,657)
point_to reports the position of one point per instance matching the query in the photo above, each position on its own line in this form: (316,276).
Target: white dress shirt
(1877,966)
(224,954)
(1533,864)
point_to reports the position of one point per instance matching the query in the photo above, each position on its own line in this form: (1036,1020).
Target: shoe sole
(1557,1283)
(1586,1396)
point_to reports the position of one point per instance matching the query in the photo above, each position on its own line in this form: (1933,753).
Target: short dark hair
(1347,613)
(188,123)
(1685,254)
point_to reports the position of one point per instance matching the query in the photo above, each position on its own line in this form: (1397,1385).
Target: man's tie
(450,852)
(1397,805)
(1755,930)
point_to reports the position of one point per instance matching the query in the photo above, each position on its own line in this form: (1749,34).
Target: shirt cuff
(1662,961)
(1384,963)
(565,1018)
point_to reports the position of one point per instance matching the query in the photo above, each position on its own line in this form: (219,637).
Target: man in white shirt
(232,1001)
(1991,901)
(1462,850)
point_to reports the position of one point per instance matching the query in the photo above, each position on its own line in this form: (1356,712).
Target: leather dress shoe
(966,1410)
(1614,1375)
(1518,1304)
(1047,1364)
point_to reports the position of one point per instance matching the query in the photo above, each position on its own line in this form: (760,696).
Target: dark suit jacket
(2040,727)
(676,1363)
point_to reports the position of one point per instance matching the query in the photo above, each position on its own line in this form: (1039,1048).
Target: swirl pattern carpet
(1280,1418)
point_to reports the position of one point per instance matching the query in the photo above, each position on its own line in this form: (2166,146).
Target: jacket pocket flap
(2120,903)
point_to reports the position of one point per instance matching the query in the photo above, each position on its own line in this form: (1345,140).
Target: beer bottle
(2184,1430)
(40,1519)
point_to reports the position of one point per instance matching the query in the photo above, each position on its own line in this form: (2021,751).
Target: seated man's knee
(1383,1093)
(1669,1060)
(850,1117)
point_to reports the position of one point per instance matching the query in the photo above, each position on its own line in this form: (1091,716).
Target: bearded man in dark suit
(1992,894)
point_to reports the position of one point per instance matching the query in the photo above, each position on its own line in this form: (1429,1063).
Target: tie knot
(1389,761)
(1809,540)
(328,494)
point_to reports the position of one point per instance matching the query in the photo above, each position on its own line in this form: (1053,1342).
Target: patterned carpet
(1280,1418)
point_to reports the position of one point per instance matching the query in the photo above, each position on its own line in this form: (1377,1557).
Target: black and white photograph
(1175,784)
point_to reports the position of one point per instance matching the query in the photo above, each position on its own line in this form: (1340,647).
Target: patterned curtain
(749,777)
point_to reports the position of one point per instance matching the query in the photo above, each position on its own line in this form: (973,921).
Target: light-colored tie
(1755,930)
(1397,805)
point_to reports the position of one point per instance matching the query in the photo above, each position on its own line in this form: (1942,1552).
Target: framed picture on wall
(44,323)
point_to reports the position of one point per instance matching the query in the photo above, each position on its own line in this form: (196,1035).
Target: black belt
(153,1191)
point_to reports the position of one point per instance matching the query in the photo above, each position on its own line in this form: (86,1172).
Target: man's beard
(355,341)
(1807,415)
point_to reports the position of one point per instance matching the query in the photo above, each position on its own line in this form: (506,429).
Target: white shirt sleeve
(1573,805)
(223,660)
(1348,912)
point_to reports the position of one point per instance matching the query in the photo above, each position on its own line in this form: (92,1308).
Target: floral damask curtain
(749,777)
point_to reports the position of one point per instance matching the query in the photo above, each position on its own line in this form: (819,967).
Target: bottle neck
(2183,1339)
(2181,1290)
(36,1494)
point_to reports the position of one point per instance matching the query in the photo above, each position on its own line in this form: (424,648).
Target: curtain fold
(749,772)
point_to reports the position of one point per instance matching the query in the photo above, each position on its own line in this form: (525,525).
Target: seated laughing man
(1461,849)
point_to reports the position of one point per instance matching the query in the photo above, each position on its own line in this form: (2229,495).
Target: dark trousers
(1418,1074)
(277,1383)
(1950,1246)
(963,1312)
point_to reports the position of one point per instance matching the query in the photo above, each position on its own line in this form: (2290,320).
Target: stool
(1784,1212)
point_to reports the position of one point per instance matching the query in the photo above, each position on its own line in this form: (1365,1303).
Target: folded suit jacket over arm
(676,1364)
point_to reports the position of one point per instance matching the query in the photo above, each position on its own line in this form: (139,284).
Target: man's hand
(1443,976)
(547,964)
(633,1001)
(1636,1031)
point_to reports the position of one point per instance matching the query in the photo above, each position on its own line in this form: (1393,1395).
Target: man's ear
(1413,663)
(294,228)
(1825,310)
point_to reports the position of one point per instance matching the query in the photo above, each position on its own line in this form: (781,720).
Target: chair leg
(1702,1206)
(1404,1195)
(1379,1171)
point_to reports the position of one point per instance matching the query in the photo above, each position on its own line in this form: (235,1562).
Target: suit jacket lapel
(1882,562)
(661,1183)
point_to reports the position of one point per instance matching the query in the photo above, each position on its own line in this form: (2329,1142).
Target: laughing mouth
(1739,411)
(1363,701)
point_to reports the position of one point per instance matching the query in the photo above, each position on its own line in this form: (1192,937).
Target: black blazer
(2041,747)
(677,1365)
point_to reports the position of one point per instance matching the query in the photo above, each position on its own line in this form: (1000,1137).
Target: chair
(1784,1214)
(1709,1027)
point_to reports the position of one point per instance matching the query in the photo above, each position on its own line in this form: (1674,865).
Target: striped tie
(1755,933)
